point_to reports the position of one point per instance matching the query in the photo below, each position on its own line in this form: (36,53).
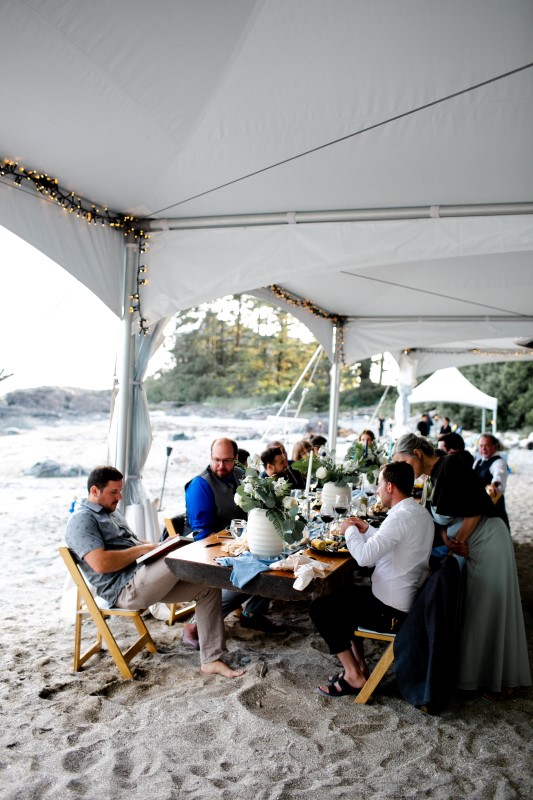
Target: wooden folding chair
(86,604)
(381,667)
(175,527)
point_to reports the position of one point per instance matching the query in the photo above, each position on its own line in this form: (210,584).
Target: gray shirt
(92,528)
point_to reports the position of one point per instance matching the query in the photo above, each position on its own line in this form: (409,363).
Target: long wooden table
(196,563)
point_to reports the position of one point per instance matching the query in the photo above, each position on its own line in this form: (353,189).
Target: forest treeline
(239,352)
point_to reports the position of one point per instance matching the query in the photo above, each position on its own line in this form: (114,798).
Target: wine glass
(327,515)
(340,506)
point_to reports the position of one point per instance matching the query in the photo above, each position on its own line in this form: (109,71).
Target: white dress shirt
(399,550)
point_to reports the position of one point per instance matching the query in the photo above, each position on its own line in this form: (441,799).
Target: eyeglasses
(226,461)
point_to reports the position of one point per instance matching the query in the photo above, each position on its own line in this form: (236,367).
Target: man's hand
(493,491)
(356,522)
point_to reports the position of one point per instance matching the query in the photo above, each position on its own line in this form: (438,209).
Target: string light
(316,311)
(136,298)
(69,201)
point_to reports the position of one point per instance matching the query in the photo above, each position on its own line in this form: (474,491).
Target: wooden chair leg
(87,606)
(377,674)
(179,611)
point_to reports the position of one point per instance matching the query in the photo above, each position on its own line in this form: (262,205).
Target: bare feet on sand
(220,668)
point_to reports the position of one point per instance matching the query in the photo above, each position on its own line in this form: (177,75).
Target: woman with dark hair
(367,437)
(492,642)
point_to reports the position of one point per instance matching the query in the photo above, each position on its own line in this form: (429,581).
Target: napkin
(245,567)
(304,568)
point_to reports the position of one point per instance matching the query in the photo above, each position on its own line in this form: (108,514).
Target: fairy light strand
(311,308)
(50,189)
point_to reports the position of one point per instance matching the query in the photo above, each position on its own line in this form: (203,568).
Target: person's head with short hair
(277,443)
(451,443)
(395,483)
(301,449)
(318,441)
(223,457)
(104,485)
(243,456)
(274,461)
(367,437)
(488,445)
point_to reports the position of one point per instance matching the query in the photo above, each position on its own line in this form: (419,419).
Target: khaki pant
(154,583)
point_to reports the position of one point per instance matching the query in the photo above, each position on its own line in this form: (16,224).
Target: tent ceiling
(149,108)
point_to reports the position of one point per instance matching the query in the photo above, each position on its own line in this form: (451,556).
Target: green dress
(492,640)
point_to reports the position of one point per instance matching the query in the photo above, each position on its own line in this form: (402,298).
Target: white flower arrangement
(326,470)
(273,496)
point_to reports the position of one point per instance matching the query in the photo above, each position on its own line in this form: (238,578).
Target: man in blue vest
(210,508)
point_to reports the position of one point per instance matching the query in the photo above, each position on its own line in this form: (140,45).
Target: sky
(56,332)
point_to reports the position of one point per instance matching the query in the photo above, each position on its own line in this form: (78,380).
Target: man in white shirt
(399,550)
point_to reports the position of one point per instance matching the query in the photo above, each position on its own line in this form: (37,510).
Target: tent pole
(345,215)
(335,381)
(125,386)
(483,420)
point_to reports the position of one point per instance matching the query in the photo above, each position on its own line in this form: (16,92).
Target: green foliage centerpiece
(326,470)
(368,458)
(274,497)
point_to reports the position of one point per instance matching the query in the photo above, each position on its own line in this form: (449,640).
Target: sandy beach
(173,732)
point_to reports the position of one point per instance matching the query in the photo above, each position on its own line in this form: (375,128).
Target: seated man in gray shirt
(107,549)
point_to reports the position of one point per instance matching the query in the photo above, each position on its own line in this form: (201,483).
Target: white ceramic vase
(330,491)
(263,539)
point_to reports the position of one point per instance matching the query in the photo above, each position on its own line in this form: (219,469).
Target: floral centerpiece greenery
(273,496)
(359,460)
(368,458)
(326,470)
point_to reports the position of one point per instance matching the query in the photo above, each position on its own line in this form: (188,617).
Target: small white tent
(450,386)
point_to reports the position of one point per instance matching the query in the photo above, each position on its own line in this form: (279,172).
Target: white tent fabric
(414,117)
(450,386)
(177,99)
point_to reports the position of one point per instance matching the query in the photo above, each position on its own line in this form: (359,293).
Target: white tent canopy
(450,386)
(366,165)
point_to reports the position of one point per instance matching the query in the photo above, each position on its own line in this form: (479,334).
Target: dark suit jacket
(425,649)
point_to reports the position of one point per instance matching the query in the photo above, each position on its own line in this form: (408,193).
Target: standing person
(492,469)
(493,652)
(399,550)
(209,499)
(107,549)
(445,427)
(423,425)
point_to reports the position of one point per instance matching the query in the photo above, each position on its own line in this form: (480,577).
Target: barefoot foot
(220,668)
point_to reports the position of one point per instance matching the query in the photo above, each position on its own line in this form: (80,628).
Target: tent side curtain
(140,429)
(91,253)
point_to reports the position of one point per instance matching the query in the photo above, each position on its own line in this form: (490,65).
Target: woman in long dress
(493,652)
